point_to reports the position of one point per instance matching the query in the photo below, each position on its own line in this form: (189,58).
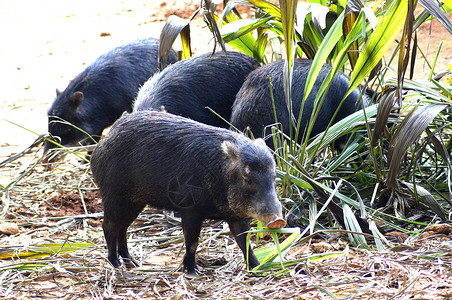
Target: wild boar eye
(247,180)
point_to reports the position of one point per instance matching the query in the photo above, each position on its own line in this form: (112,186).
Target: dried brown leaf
(409,131)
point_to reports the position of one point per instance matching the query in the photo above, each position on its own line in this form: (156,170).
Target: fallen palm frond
(37,251)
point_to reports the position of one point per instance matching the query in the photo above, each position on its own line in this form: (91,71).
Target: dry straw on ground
(61,206)
(47,206)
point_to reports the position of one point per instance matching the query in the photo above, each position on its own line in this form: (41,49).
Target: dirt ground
(51,41)
(45,44)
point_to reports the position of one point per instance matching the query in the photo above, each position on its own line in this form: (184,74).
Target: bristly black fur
(98,96)
(204,172)
(188,87)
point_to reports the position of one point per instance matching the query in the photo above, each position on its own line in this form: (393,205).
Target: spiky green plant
(386,157)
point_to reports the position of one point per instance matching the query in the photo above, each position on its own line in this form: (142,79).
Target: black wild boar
(171,162)
(98,96)
(253,106)
(188,87)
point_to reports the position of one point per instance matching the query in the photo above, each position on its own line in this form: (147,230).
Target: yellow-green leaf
(379,41)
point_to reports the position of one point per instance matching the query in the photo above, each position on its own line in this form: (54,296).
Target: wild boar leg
(239,229)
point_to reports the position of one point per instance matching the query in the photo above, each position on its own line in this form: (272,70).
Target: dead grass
(72,37)
(419,270)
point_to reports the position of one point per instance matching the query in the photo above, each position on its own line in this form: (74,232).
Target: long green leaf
(245,41)
(259,48)
(238,28)
(425,88)
(379,238)
(329,42)
(267,7)
(288,9)
(43,250)
(435,10)
(379,41)
(340,128)
(351,224)
(428,199)
(24,267)
(268,254)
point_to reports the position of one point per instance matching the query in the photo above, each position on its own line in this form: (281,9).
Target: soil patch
(72,204)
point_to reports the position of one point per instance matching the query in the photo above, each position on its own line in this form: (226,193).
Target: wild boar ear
(260,142)
(58,92)
(230,149)
(77,99)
